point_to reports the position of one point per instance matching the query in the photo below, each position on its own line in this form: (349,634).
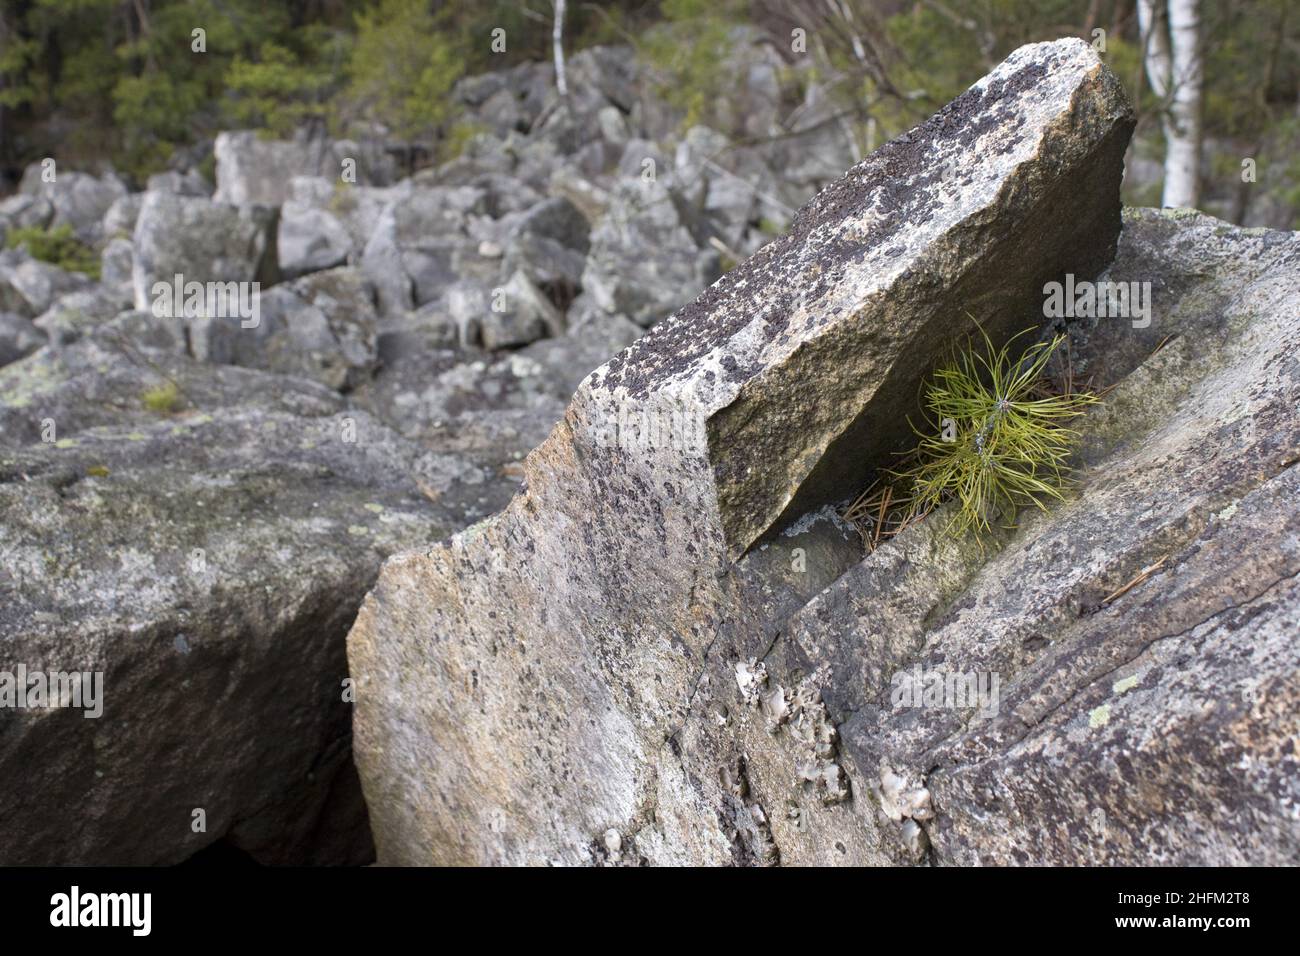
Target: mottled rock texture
(617,649)
(201,535)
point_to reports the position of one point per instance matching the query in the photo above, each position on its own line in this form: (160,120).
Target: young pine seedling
(995,438)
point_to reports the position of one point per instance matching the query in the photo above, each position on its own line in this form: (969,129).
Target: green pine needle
(1008,448)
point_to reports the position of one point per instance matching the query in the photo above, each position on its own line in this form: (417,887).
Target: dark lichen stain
(898,179)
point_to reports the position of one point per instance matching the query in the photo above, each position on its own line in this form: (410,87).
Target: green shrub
(57,246)
(693,53)
(995,438)
(402,68)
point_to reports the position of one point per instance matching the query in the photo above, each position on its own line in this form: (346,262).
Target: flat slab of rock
(495,729)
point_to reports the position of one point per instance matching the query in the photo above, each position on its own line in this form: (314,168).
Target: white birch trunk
(1183,151)
(1174,69)
(557,41)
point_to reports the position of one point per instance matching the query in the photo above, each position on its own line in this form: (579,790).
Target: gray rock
(381,261)
(619,274)
(72,315)
(628,611)
(189,183)
(29,286)
(1140,633)
(257,170)
(116,269)
(201,241)
(310,239)
(22,211)
(254,170)
(322,327)
(18,337)
(80,201)
(358,208)
(519,313)
(119,220)
(549,244)
(206,556)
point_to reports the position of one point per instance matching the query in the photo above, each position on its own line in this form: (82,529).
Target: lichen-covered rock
(200,241)
(322,326)
(18,337)
(70,315)
(79,200)
(200,535)
(29,286)
(521,731)
(1141,635)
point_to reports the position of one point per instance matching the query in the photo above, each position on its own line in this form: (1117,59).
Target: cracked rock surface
(640,643)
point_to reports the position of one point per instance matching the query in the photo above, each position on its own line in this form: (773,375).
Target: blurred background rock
(123,82)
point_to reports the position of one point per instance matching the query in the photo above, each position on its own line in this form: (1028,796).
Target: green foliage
(458,138)
(403,68)
(57,246)
(281,88)
(1009,446)
(162,399)
(691,51)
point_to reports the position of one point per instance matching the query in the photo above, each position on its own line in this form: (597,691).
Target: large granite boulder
(634,558)
(202,242)
(200,535)
(1134,646)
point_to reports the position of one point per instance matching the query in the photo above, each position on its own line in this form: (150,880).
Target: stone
(549,245)
(310,239)
(119,220)
(190,183)
(526,315)
(201,241)
(29,286)
(628,553)
(116,269)
(23,211)
(322,327)
(71,315)
(80,201)
(18,337)
(254,170)
(1104,689)
(206,554)
(622,278)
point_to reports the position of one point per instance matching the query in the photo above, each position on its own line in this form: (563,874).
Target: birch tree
(557,41)
(1172,56)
